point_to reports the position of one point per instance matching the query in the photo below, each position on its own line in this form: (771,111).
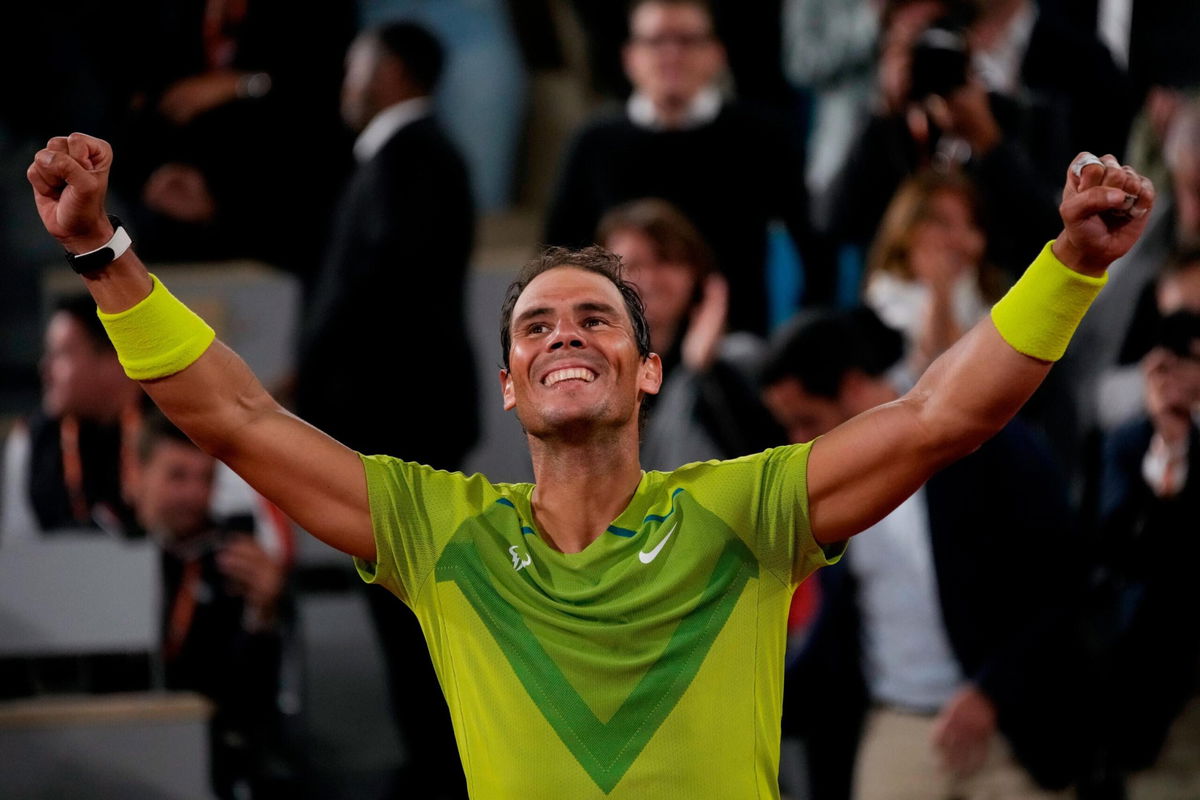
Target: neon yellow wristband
(157,337)
(1041,311)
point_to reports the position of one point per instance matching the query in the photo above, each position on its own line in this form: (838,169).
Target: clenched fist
(1104,210)
(70,180)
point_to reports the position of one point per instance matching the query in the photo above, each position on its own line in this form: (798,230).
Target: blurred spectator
(1174,228)
(956,680)
(223,612)
(1010,93)
(829,50)
(64,466)
(217,116)
(481,95)
(68,464)
(1150,502)
(729,171)
(708,406)
(926,276)
(404,231)
(1121,390)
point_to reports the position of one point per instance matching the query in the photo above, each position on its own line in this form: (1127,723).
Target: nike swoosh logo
(646,558)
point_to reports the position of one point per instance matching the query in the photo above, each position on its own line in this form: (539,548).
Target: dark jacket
(385,345)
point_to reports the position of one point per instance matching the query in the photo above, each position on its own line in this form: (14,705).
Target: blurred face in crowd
(1172,381)
(173,490)
(667,287)
(672,53)
(945,237)
(1180,291)
(804,415)
(79,376)
(374,80)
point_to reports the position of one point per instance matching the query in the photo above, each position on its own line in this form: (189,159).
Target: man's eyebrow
(592,305)
(586,305)
(530,313)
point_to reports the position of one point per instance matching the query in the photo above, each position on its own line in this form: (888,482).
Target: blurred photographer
(1149,728)
(997,87)
(222,608)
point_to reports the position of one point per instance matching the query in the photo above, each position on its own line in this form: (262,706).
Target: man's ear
(652,374)
(506,390)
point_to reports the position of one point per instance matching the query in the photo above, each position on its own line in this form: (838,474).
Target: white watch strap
(119,243)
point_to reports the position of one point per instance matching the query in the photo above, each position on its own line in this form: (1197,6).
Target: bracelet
(157,337)
(1041,311)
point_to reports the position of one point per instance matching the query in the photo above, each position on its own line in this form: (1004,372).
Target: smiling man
(604,632)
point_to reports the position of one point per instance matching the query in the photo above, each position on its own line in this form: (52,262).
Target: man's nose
(567,334)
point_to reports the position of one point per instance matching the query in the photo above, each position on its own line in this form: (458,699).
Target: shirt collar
(703,109)
(386,123)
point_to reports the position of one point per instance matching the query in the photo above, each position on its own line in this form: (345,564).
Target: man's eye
(592,322)
(537,327)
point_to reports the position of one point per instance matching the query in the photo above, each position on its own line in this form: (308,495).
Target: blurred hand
(967,113)
(895,56)
(963,731)
(707,324)
(1169,397)
(179,191)
(251,571)
(187,99)
(1104,211)
(70,179)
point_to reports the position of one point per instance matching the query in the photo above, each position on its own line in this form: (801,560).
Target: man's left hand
(963,731)
(1104,210)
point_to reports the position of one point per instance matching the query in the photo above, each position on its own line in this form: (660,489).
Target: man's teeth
(571,374)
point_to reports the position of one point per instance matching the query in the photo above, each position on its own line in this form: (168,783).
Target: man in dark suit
(936,667)
(397,267)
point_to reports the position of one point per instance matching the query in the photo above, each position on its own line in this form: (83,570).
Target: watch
(104,255)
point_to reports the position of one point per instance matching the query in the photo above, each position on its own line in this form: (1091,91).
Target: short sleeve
(415,510)
(784,535)
(764,498)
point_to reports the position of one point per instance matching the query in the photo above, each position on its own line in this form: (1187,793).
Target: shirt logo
(647,557)
(518,564)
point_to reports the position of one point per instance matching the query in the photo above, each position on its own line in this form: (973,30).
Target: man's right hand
(70,179)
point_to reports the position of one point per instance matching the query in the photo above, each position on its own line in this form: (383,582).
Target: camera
(941,57)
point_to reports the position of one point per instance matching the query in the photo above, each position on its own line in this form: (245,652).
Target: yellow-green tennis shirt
(647,666)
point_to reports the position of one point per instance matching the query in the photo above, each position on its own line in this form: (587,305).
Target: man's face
(1180,291)
(666,287)
(358,101)
(803,415)
(672,53)
(574,364)
(173,490)
(77,376)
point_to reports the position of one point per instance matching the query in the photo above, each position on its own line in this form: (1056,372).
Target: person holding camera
(224,608)
(971,84)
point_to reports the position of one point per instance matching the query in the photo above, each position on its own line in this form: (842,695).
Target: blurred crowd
(815,198)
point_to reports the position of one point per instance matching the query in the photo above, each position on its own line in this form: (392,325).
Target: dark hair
(415,47)
(82,309)
(156,428)
(592,259)
(819,347)
(672,235)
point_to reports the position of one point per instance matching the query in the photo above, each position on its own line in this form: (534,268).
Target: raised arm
(216,400)
(863,469)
